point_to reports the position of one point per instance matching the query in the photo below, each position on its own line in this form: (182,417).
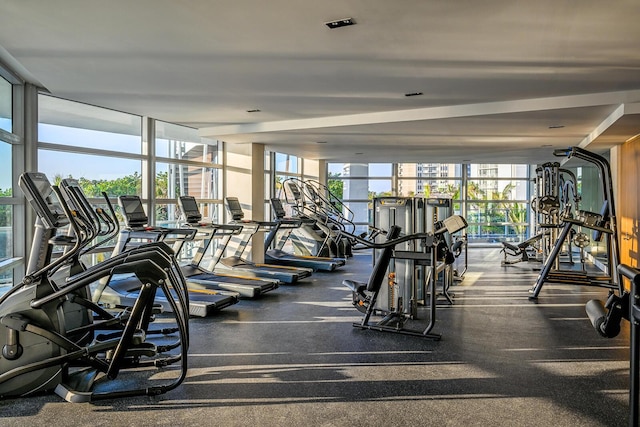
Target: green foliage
(5,210)
(500,211)
(336,186)
(162,185)
(373,194)
(130,184)
(126,185)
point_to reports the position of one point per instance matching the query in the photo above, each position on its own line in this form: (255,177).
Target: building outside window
(493,198)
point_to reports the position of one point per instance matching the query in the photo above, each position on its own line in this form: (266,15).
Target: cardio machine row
(87,332)
(229,275)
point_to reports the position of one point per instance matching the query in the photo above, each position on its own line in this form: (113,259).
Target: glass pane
(495,222)
(167,214)
(355,170)
(6,231)
(267,185)
(286,163)
(496,170)
(362,215)
(174,180)
(267,160)
(282,178)
(96,174)
(336,188)
(311,168)
(5,170)
(267,212)
(430,170)
(493,189)
(6,245)
(80,125)
(335,169)
(380,169)
(6,105)
(360,170)
(6,280)
(430,188)
(181,142)
(379,187)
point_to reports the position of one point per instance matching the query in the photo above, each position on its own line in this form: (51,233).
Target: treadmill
(278,256)
(197,275)
(203,301)
(245,268)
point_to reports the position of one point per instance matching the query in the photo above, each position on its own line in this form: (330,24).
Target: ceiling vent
(340,23)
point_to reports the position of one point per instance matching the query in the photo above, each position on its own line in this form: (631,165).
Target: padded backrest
(597,235)
(382,263)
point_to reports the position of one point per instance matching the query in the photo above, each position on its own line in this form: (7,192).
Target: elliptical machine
(53,337)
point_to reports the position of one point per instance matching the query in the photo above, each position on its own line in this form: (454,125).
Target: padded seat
(379,269)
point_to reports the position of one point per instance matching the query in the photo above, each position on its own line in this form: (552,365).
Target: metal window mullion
(188,162)
(91,151)
(149,166)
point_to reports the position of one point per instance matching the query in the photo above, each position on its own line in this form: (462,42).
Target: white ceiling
(495,74)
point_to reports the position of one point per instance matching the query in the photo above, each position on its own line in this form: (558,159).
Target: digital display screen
(189,206)
(39,193)
(133,207)
(295,191)
(46,192)
(133,210)
(42,186)
(234,205)
(278,209)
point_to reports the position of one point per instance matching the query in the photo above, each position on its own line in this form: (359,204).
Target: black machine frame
(365,294)
(603,224)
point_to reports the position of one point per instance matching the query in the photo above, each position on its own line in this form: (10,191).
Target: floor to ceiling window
(285,167)
(357,184)
(100,148)
(6,190)
(493,198)
(6,105)
(186,165)
(497,202)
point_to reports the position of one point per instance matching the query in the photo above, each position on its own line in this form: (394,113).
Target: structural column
(244,169)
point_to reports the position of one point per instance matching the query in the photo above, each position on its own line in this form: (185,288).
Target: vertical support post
(149,167)
(257,200)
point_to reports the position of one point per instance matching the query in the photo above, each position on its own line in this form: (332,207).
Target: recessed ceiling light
(556,126)
(413,94)
(345,22)
(254,110)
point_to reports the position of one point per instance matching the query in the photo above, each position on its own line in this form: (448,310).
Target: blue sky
(96,167)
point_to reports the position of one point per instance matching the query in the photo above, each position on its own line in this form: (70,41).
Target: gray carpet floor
(293,358)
